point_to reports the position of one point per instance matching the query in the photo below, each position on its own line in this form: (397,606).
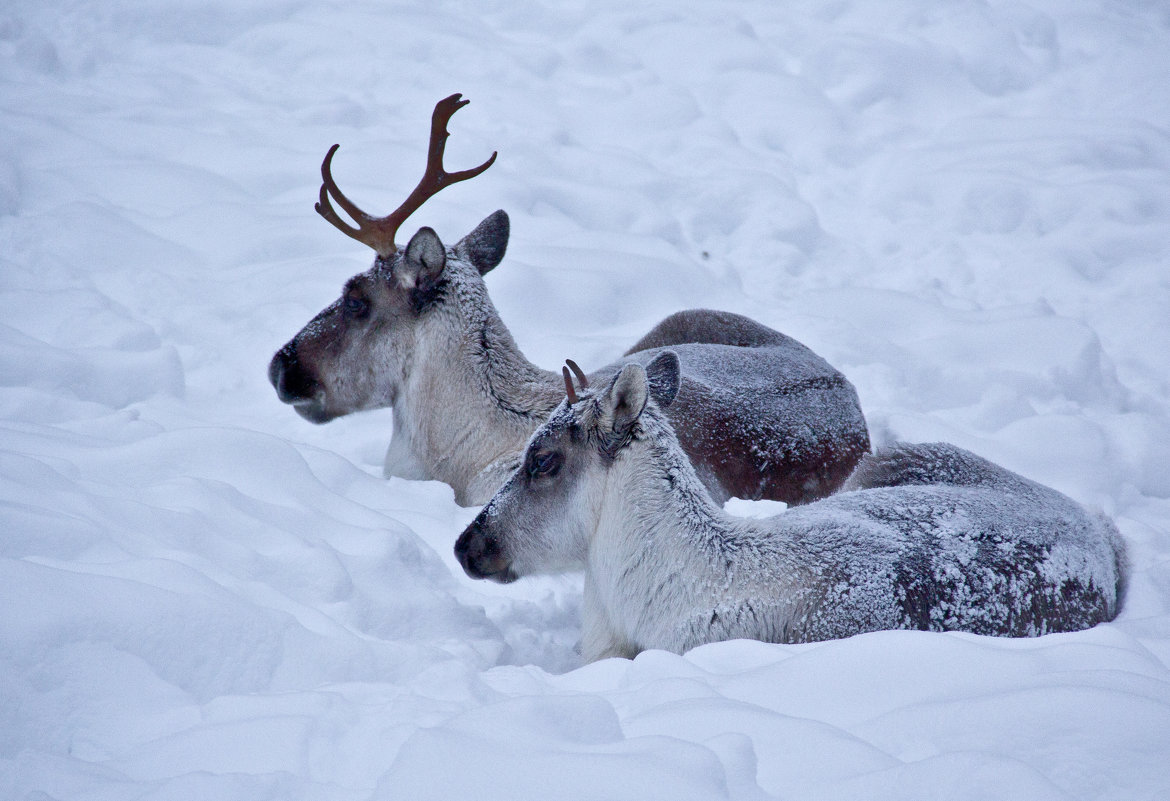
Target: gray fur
(485,246)
(930,537)
(761,415)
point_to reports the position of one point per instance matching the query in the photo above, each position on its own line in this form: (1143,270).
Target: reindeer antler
(569,391)
(577,372)
(378,232)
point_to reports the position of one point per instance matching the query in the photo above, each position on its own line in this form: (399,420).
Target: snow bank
(962,206)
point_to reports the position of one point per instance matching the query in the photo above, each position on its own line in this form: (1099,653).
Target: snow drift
(963,206)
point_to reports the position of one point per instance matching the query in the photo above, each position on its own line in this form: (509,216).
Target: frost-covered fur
(931,537)
(761,415)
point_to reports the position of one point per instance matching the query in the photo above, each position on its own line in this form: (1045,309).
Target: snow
(964,206)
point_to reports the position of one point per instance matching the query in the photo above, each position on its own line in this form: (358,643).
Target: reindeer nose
(290,380)
(479,552)
(276,371)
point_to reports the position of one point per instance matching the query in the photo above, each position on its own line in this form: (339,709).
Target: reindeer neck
(515,389)
(475,398)
(668,563)
(659,529)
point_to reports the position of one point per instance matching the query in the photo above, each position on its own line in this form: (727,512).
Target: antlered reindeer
(926,537)
(761,415)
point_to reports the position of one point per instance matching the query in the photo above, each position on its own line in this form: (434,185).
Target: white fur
(447,426)
(979,548)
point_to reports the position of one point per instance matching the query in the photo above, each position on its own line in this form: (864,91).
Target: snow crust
(963,206)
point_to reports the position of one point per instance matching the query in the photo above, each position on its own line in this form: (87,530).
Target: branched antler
(379,232)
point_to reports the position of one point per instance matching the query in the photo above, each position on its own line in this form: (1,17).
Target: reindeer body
(928,537)
(769,419)
(761,415)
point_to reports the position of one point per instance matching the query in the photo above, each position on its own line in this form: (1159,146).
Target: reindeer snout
(479,551)
(285,375)
(295,385)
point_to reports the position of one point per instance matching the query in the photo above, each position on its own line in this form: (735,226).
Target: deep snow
(964,206)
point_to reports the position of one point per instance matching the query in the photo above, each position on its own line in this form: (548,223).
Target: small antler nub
(578,372)
(569,391)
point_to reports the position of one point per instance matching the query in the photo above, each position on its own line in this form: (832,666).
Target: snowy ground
(964,206)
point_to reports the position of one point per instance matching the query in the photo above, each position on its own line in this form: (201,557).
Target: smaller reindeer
(926,537)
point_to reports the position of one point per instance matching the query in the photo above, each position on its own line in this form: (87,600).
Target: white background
(964,206)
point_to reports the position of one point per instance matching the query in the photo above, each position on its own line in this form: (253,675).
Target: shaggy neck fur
(471,398)
(662,545)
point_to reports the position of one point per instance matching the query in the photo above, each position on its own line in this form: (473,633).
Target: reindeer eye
(355,306)
(544,463)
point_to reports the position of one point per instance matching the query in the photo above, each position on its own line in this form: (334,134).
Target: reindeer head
(355,352)
(542,519)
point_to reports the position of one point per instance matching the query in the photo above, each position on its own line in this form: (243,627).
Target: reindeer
(927,537)
(761,415)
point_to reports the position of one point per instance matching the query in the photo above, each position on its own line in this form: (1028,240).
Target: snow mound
(963,207)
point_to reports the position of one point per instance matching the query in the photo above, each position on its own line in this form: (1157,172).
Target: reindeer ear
(664,375)
(423,261)
(625,398)
(484,247)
